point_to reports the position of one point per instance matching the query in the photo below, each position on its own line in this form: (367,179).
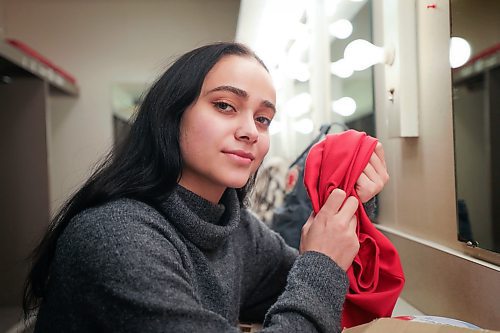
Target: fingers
(374,176)
(305,231)
(307,225)
(333,202)
(371,173)
(366,188)
(377,165)
(379,151)
(353,223)
(333,230)
(349,208)
(363,181)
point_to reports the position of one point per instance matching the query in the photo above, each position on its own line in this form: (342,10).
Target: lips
(240,153)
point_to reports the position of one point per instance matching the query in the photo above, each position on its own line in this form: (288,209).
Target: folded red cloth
(32,53)
(376,277)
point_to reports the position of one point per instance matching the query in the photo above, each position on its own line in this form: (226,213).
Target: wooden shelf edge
(35,67)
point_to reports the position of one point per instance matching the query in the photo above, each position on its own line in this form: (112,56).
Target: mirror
(299,41)
(476,118)
(356,85)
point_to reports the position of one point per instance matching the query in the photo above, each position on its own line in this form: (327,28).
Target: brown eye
(264,121)
(223,106)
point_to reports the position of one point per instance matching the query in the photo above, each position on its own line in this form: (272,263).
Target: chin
(237,183)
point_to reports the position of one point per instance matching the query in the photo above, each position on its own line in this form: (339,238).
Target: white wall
(101,43)
(2,17)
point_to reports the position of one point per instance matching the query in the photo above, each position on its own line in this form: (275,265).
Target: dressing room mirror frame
(473,82)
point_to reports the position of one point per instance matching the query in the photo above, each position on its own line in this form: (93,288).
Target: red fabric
(32,53)
(376,277)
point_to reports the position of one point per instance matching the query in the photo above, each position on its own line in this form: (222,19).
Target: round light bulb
(460,51)
(341,68)
(275,127)
(341,29)
(344,106)
(304,126)
(296,70)
(362,54)
(298,105)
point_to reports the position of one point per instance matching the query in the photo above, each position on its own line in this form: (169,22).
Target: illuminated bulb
(299,47)
(304,126)
(296,70)
(341,29)
(341,68)
(278,78)
(298,105)
(362,54)
(331,7)
(275,127)
(344,106)
(459,51)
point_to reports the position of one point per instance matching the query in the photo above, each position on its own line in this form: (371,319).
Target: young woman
(159,240)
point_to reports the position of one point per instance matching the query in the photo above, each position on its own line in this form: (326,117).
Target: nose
(247,130)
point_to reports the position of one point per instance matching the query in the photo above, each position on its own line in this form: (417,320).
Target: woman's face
(224,134)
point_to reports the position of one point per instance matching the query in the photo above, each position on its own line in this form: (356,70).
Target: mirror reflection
(352,90)
(475,56)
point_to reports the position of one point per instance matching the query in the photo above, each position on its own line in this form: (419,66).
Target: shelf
(478,65)
(14,62)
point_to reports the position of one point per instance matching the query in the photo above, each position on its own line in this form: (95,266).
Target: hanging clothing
(269,190)
(376,277)
(289,217)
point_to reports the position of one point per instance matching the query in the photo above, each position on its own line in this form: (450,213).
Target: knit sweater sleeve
(301,293)
(119,270)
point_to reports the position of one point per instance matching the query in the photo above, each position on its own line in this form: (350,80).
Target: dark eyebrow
(234,90)
(241,93)
(270,105)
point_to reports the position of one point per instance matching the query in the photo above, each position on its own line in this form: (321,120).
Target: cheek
(263,147)
(201,143)
(194,132)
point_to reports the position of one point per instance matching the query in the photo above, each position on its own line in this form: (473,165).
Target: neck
(209,192)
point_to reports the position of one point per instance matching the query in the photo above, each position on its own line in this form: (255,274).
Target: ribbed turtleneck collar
(203,223)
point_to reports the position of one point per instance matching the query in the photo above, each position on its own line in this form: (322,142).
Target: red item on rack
(34,54)
(376,276)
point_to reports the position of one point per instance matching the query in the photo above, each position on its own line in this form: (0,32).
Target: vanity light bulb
(460,51)
(344,106)
(362,54)
(296,70)
(331,7)
(340,29)
(341,68)
(298,105)
(304,126)
(275,127)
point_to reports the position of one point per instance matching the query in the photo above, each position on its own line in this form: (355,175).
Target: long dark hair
(146,165)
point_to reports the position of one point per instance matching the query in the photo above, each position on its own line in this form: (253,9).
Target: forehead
(243,72)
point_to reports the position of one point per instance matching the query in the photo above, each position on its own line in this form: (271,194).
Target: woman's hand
(333,230)
(374,176)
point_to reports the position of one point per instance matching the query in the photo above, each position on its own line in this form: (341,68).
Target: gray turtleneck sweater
(191,267)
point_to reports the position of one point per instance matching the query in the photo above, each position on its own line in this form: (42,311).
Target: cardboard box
(391,325)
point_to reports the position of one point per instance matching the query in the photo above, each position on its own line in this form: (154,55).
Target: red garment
(376,277)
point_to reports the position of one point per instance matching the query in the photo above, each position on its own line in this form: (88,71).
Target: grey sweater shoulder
(188,267)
